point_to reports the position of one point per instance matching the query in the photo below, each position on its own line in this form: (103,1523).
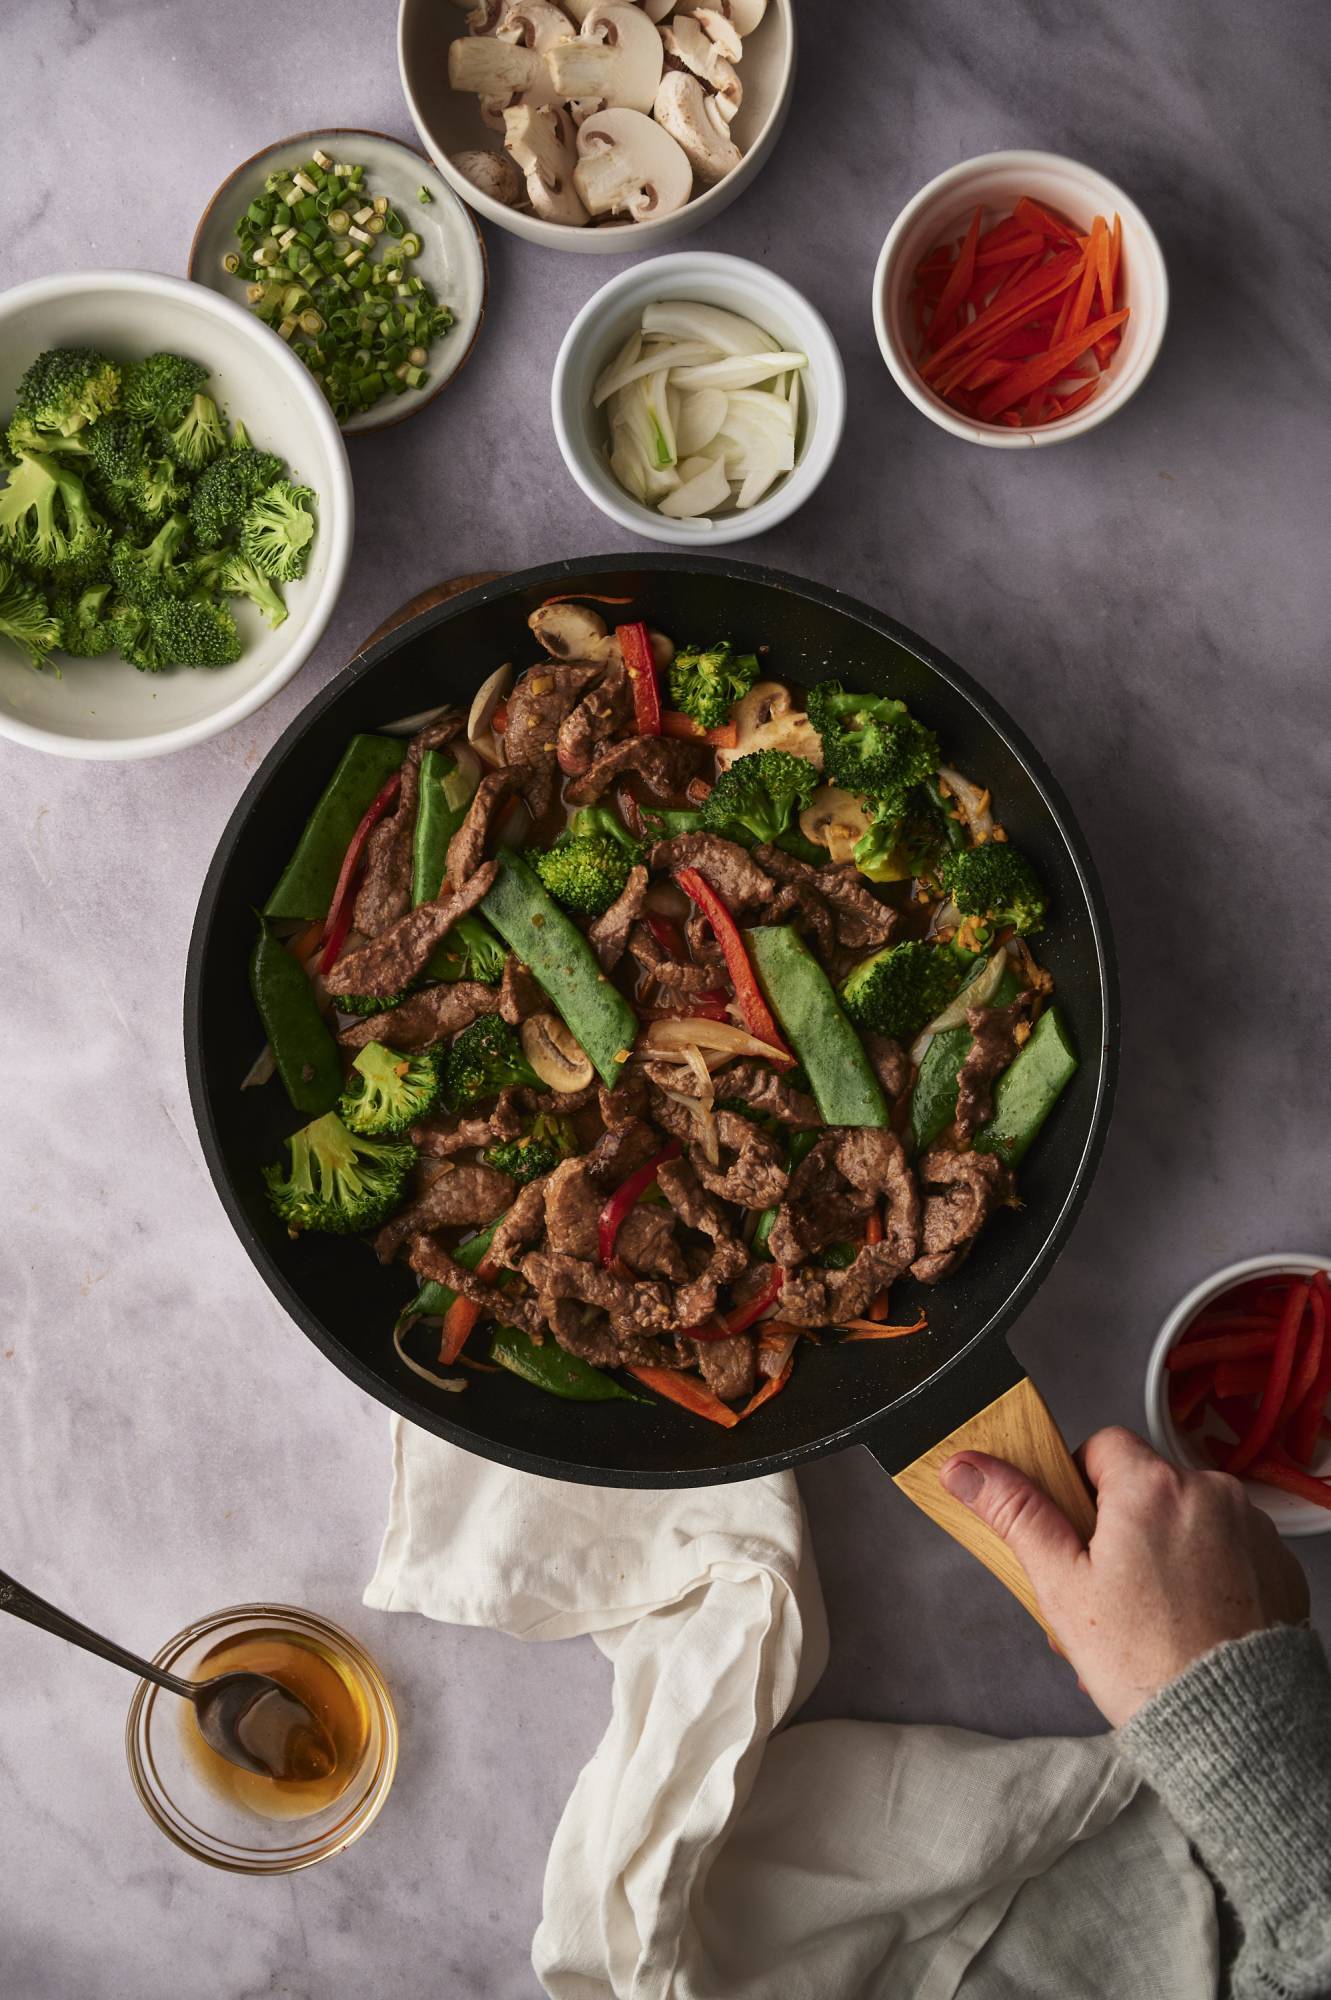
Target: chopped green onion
(339,222)
(423,195)
(411,245)
(231,263)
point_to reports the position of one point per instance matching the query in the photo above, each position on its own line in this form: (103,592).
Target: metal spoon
(249,1719)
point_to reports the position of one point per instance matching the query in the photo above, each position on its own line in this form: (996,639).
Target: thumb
(1039,1535)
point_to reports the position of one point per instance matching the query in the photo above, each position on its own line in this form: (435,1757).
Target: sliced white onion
(682,319)
(977,992)
(261,1069)
(972,800)
(454,1384)
(945,918)
(459,786)
(407,725)
(672,354)
(706,1093)
(701,415)
(708,1138)
(737,371)
(698,494)
(708,1035)
(487,699)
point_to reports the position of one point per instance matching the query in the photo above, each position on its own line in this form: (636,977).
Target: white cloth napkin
(703,1856)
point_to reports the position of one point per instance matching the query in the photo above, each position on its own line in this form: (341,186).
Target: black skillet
(908,1400)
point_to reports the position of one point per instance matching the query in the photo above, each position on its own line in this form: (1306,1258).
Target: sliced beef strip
(564,1102)
(533,724)
(467,1196)
(520,994)
(702,943)
(626,1103)
(729,1367)
(993,1045)
(682,978)
(599,714)
(862,922)
(573,1204)
(663,763)
(522,1226)
(429,1259)
(797,903)
(891,1064)
(962,1190)
(440,1137)
(829,1298)
(646,1242)
(819,1208)
(765,1091)
(619,1153)
(385,891)
(875,1162)
(610,932)
(432,1016)
(580,1330)
(736,877)
(466,850)
(635,1305)
(675,1119)
(699,1209)
(666,1075)
(644,948)
(755,1178)
(393,959)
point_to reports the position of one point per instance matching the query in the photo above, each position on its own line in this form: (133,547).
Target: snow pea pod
(305,887)
(1028,1089)
(308,1059)
(532,924)
(433,1299)
(553,1369)
(471,941)
(933,1102)
(800,994)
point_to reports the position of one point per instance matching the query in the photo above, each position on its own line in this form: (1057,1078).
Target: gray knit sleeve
(1239,1749)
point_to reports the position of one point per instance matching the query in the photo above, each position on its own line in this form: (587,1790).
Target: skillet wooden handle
(1019,1428)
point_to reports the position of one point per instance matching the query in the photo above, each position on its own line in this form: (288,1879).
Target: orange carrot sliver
(1045,283)
(1104,266)
(1079,396)
(459,1320)
(1032,215)
(959,280)
(1023,245)
(688,1393)
(1044,368)
(1085,299)
(869,1329)
(1115,253)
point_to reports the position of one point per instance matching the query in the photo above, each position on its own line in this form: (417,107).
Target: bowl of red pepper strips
(1020,299)
(1240,1381)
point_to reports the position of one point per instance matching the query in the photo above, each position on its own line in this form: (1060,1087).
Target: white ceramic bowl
(706,278)
(1292,1516)
(996,181)
(449,121)
(106,708)
(452,258)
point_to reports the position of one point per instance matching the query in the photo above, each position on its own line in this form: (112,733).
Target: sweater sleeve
(1239,1749)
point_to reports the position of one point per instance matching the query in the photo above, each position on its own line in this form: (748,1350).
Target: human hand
(1179,1561)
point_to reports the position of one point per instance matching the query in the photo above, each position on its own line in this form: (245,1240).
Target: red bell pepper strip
(635,646)
(461,1317)
(667,934)
(1303,1431)
(1262,1428)
(1224,1347)
(624,1197)
(740,1318)
(1291,1478)
(757,1014)
(338,922)
(688,1392)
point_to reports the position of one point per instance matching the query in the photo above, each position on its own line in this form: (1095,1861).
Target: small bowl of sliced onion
(698,398)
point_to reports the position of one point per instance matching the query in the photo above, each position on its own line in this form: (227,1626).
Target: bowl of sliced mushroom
(568,123)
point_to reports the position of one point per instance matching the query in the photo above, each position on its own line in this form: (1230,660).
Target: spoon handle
(21,1602)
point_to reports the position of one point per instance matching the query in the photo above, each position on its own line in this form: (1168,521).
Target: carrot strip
(1032,215)
(1187,1397)
(1104,267)
(873,1233)
(1003,232)
(1104,349)
(771,1387)
(459,1321)
(869,1329)
(1115,253)
(1085,299)
(675,723)
(958,283)
(1045,368)
(1016,305)
(1016,246)
(688,1393)
(1291,1479)
(1076,399)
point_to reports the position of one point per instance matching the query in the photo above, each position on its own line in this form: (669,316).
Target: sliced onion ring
(977,992)
(709,1035)
(972,800)
(487,699)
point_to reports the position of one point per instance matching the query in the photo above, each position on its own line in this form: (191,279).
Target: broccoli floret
(523,1159)
(899,990)
(86,628)
(116,451)
(26,619)
(366,1004)
(199,435)
(47,524)
(196,631)
(24,435)
(224,490)
(707,684)
(470,951)
(230,571)
(148,574)
(589,864)
(340,1182)
(389,1091)
(872,745)
(66,388)
(159,490)
(483,1060)
(137,639)
(278,529)
(907,843)
(760,796)
(160,388)
(996,886)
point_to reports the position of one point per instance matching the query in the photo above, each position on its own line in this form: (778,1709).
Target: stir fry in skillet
(656,1014)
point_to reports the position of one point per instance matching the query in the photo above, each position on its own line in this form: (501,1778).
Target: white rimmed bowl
(1292,1516)
(995,182)
(449,121)
(106,708)
(705,278)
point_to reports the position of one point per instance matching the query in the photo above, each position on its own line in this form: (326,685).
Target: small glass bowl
(170,1780)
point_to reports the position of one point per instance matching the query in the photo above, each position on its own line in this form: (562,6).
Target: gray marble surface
(1152,603)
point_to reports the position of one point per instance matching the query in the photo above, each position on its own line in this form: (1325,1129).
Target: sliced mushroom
(711,62)
(627,165)
(724,19)
(484,16)
(616,60)
(572,632)
(835,820)
(768,719)
(491,68)
(684,110)
(540,138)
(555,1053)
(536,24)
(490,173)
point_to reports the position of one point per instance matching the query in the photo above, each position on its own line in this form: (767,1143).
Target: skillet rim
(873,1429)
